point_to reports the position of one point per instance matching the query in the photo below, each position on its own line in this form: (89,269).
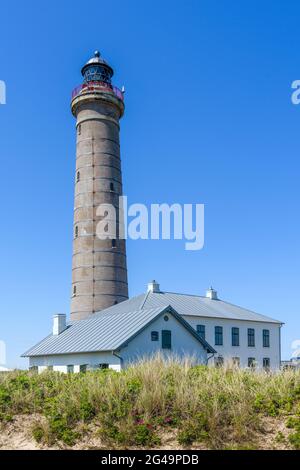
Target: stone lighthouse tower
(99,272)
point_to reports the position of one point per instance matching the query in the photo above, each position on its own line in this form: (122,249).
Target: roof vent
(212,294)
(59,323)
(153,286)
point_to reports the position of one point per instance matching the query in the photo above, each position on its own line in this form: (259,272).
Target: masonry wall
(99,270)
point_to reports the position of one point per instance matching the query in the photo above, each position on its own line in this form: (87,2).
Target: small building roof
(109,331)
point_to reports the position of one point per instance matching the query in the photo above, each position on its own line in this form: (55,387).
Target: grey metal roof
(108,331)
(193,305)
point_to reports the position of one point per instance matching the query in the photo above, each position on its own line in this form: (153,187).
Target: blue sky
(208,119)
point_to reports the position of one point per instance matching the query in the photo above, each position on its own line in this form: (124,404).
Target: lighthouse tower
(99,271)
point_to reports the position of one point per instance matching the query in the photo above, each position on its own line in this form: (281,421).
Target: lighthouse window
(113,243)
(76,231)
(79,129)
(112,186)
(78,176)
(74,290)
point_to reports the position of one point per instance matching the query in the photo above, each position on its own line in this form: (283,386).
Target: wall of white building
(60,362)
(227,351)
(183,342)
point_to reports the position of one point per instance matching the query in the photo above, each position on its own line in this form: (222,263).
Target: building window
(201,331)
(154,336)
(78,176)
(166,341)
(166,318)
(219,361)
(266,363)
(74,290)
(79,129)
(103,366)
(111,187)
(218,335)
(33,368)
(49,367)
(266,338)
(83,368)
(251,337)
(236,362)
(251,362)
(113,243)
(70,369)
(235,336)
(76,231)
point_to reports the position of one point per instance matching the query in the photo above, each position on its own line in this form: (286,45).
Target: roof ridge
(182,293)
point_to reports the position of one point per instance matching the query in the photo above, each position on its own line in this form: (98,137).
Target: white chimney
(212,294)
(153,286)
(59,323)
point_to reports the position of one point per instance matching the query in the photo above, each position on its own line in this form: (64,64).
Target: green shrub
(217,406)
(280,437)
(294,439)
(38,433)
(145,435)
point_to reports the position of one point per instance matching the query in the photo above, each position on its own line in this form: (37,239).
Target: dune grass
(220,407)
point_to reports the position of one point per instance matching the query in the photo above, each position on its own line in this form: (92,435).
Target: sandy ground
(17,436)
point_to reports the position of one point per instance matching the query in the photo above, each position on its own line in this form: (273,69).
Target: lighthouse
(99,269)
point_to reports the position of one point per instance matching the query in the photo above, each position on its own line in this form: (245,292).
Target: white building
(206,328)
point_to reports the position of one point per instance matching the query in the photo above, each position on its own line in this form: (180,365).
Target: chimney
(59,323)
(153,286)
(212,294)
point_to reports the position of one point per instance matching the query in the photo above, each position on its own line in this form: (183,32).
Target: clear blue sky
(208,120)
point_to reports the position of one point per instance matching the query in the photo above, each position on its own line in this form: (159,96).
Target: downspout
(119,357)
(210,357)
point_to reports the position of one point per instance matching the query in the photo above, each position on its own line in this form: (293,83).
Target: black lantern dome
(97,70)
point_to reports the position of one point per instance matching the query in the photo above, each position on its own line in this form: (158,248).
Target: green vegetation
(220,408)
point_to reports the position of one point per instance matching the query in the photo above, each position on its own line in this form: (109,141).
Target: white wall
(183,342)
(243,351)
(60,362)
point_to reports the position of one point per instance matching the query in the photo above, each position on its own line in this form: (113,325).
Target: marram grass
(217,407)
